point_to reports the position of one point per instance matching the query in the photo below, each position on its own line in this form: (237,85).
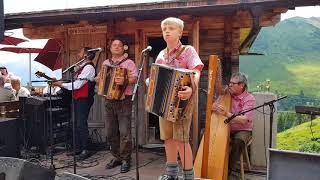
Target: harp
(212,157)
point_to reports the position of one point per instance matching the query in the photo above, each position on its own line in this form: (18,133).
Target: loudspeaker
(293,165)
(9,145)
(19,169)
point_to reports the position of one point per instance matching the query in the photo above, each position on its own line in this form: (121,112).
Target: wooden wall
(218,35)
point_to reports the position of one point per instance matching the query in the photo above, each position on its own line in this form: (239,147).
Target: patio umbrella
(50,55)
(20,50)
(9,40)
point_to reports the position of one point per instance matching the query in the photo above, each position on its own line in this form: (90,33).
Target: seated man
(20,91)
(241,126)
(5,94)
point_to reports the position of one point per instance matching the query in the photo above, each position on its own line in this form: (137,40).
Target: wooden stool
(246,154)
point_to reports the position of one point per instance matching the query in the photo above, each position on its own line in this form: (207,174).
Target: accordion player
(162,95)
(107,86)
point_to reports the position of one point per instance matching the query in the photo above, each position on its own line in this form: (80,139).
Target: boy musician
(176,134)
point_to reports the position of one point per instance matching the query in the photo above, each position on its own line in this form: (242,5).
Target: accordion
(107,86)
(162,96)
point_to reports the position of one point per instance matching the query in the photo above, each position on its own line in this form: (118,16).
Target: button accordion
(107,86)
(162,96)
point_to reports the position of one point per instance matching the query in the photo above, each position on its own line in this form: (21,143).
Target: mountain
(291,58)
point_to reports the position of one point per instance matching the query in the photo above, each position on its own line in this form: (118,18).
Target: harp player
(241,126)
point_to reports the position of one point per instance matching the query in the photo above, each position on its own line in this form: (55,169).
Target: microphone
(95,50)
(86,79)
(148,49)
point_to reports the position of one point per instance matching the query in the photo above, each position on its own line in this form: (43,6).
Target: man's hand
(219,109)
(57,83)
(119,80)
(185,92)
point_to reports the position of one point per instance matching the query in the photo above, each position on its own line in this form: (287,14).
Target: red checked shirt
(243,102)
(188,59)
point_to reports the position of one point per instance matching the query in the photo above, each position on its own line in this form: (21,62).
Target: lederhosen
(118,121)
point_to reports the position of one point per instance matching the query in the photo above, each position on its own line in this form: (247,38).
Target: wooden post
(195,120)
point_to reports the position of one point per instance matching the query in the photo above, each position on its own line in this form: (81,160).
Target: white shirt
(87,72)
(54,90)
(23,92)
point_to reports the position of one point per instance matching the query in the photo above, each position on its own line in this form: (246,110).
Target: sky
(10,6)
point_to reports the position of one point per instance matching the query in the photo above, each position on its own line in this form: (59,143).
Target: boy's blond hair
(172,20)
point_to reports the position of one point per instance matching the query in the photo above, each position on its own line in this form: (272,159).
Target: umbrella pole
(30,83)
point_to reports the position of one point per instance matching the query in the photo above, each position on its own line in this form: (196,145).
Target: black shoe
(125,166)
(113,163)
(83,155)
(70,153)
(167,177)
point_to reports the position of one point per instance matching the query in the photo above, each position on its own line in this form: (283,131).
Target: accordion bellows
(107,86)
(162,96)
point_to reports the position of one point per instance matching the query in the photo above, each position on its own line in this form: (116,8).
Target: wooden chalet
(226,28)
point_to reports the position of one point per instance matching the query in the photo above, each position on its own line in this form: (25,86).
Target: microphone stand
(271,106)
(136,86)
(71,69)
(52,167)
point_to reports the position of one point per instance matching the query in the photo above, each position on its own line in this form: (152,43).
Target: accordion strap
(118,63)
(180,50)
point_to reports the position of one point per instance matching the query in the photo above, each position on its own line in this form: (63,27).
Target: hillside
(291,60)
(299,138)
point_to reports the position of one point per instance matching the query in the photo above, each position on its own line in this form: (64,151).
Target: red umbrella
(51,55)
(19,50)
(9,40)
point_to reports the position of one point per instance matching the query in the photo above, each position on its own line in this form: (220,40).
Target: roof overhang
(144,11)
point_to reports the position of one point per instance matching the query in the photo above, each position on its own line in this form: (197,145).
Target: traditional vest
(87,90)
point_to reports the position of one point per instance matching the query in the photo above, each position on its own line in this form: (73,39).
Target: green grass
(299,138)
(306,77)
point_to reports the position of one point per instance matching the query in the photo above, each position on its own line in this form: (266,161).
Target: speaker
(9,145)
(293,165)
(20,169)
(1,20)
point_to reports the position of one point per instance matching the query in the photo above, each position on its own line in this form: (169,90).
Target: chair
(246,154)
(70,176)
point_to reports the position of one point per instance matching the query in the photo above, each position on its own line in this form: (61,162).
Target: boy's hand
(185,92)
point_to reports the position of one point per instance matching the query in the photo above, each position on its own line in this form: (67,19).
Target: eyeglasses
(233,83)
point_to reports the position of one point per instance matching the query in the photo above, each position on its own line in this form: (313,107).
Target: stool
(246,154)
